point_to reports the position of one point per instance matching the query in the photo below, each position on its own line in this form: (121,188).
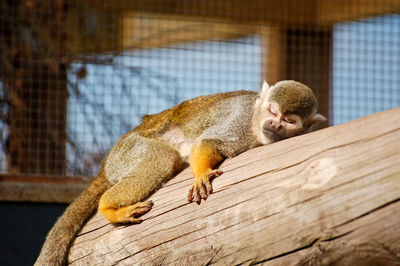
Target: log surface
(324,197)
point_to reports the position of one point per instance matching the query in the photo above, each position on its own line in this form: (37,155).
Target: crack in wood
(168,210)
(212,258)
(332,238)
(163,229)
(314,242)
(288,252)
(369,212)
(167,241)
(92,230)
(77,259)
(94,238)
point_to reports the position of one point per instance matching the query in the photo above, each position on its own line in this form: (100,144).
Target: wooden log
(332,196)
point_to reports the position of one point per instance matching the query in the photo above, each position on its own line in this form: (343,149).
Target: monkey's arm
(203,158)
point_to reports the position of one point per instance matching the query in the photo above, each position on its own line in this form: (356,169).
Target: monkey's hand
(201,187)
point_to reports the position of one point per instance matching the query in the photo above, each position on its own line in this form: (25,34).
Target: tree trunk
(328,197)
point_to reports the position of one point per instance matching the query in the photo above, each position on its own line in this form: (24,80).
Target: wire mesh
(77,75)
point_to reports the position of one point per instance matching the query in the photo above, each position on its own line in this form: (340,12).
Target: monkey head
(285,110)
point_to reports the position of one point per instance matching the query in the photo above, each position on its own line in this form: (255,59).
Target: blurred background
(77,75)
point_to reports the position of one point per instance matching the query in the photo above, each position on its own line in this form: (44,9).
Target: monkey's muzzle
(269,133)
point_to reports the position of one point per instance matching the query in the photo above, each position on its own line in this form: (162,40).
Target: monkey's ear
(264,91)
(314,121)
(265,88)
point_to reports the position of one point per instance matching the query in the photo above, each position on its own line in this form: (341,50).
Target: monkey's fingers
(142,208)
(202,190)
(214,174)
(137,210)
(197,198)
(202,187)
(190,195)
(194,194)
(211,176)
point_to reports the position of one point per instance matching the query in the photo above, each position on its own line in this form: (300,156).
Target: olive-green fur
(294,98)
(199,110)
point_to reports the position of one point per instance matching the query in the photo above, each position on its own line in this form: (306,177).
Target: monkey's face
(277,126)
(285,110)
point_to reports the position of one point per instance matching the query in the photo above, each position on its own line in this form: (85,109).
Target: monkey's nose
(276,126)
(273,124)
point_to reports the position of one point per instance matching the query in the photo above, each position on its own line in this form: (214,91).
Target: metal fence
(76,75)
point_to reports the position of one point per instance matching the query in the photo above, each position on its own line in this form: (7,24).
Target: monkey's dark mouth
(272,133)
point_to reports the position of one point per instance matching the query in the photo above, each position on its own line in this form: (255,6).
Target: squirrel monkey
(201,132)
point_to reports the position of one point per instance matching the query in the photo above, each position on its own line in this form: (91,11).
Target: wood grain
(325,197)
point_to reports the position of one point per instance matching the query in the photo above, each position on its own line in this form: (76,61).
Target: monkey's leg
(117,206)
(156,163)
(203,158)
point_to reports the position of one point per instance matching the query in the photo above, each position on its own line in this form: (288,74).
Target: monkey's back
(195,115)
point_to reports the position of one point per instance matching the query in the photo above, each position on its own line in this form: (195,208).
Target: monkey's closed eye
(290,121)
(272,112)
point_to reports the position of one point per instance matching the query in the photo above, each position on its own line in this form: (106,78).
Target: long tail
(60,237)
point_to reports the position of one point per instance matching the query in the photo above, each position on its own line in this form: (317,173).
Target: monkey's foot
(132,212)
(128,214)
(202,187)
